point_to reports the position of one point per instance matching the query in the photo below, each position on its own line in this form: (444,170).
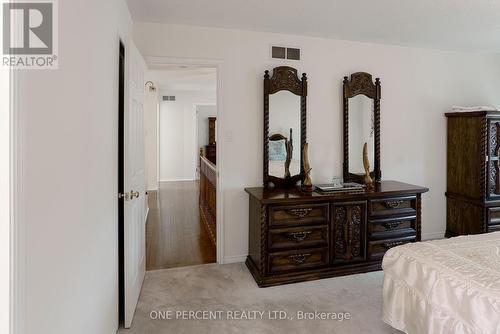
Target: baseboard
(432,235)
(178,179)
(234,259)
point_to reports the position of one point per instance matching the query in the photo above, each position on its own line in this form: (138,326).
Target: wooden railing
(208,197)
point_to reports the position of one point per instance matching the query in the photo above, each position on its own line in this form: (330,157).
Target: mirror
(284,130)
(361,125)
(284,126)
(361,131)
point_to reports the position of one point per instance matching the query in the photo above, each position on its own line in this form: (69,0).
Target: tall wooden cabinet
(473,173)
(296,236)
(211,148)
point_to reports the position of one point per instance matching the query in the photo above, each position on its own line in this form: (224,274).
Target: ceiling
(472,25)
(182,78)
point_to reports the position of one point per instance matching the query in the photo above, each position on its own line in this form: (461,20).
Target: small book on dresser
(331,187)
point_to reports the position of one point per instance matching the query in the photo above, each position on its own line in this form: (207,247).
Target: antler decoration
(289,152)
(366,164)
(307,183)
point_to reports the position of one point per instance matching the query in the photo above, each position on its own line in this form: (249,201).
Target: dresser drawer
(298,237)
(393,206)
(386,228)
(494,216)
(377,249)
(298,259)
(494,228)
(291,215)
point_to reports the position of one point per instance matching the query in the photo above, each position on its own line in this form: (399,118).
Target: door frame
(17,227)
(218,64)
(121,181)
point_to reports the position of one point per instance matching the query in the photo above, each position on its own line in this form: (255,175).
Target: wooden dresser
(296,236)
(211,153)
(473,173)
(211,148)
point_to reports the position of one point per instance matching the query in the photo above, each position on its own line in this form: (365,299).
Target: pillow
(277,150)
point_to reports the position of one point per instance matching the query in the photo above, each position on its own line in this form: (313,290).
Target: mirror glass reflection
(284,134)
(361,131)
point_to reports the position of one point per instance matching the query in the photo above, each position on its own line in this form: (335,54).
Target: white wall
(4,200)
(418,86)
(178,139)
(151,106)
(69,196)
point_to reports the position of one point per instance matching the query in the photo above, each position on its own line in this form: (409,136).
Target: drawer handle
(298,259)
(301,213)
(389,245)
(298,236)
(393,204)
(391,225)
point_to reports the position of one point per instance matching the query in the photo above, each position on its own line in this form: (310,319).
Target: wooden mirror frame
(284,78)
(362,83)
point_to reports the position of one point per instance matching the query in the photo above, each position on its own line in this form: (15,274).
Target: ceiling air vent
(283,52)
(278,52)
(168,98)
(293,53)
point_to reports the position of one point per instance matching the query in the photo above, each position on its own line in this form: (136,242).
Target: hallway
(175,237)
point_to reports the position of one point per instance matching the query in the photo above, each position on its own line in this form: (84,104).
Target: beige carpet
(230,288)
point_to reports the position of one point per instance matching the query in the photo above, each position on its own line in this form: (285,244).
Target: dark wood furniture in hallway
(208,198)
(296,236)
(473,173)
(175,237)
(211,148)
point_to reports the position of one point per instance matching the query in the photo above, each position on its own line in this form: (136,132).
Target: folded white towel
(476,108)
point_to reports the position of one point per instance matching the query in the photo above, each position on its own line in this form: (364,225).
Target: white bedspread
(447,286)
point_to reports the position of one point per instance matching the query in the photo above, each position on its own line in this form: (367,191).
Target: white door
(135,182)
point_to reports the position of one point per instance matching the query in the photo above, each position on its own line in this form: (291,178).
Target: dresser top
(382,189)
(474,113)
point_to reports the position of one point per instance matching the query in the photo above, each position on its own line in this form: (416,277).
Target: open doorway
(180,130)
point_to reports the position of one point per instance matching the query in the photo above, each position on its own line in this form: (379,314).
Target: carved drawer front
(348,232)
(494,216)
(393,206)
(298,237)
(385,228)
(291,215)
(298,259)
(377,249)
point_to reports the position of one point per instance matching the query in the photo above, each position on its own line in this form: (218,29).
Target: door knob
(134,194)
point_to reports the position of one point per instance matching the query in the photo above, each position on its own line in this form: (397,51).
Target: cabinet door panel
(493,165)
(348,232)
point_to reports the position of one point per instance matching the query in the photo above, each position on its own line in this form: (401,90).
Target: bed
(444,286)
